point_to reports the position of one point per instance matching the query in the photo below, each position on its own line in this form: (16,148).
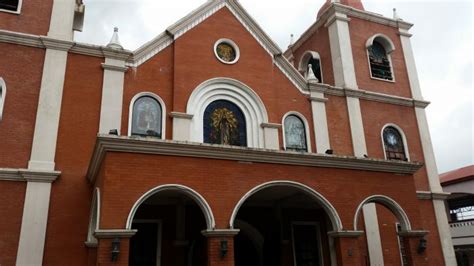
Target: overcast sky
(442,41)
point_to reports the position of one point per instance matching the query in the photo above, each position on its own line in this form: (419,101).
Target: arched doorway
(284,223)
(169,220)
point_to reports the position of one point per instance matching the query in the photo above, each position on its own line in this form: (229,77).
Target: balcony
(462,233)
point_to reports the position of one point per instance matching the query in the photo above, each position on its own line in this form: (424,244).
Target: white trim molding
(94,219)
(233,91)
(110,143)
(327,206)
(404,139)
(233,45)
(163,111)
(200,200)
(306,129)
(389,47)
(391,204)
(320,121)
(17,11)
(303,65)
(3,94)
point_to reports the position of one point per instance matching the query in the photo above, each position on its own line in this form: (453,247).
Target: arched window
(146,117)
(295,134)
(379,48)
(224,123)
(394,144)
(3,92)
(311,60)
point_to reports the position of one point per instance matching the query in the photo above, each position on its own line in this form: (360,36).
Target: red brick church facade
(211,146)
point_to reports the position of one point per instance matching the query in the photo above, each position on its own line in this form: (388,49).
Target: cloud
(442,42)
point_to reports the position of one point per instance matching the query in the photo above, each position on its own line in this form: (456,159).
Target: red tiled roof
(457,175)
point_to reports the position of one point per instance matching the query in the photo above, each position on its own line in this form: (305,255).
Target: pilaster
(181,126)
(374,242)
(270,134)
(62,20)
(344,76)
(112,94)
(428,153)
(320,123)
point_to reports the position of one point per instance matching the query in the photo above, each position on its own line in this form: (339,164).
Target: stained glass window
(11,5)
(146,120)
(295,134)
(379,62)
(316,66)
(224,123)
(394,146)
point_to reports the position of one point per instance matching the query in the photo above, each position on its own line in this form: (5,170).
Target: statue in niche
(225,126)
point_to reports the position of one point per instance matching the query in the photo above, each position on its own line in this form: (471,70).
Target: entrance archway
(169,220)
(284,223)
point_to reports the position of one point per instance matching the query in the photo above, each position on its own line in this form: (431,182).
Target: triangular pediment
(193,19)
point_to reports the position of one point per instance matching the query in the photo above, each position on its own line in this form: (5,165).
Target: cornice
(26,175)
(345,234)
(114,68)
(413,233)
(181,115)
(113,233)
(270,125)
(109,143)
(220,232)
(428,195)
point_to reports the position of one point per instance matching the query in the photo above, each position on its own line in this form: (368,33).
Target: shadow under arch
(389,203)
(200,201)
(327,206)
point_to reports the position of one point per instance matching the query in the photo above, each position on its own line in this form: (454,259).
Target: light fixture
(366,156)
(224,248)
(115,249)
(113,132)
(422,245)
(329,151)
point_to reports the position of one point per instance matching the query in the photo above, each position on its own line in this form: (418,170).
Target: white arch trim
(163,111)
(236,92)
(391,204)
(404,139)
(201,202)
(3,93)
(94,217)
(306,128)
(384,40)
(303,65)
(331,211)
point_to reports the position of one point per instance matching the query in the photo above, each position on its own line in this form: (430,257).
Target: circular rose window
(226,51)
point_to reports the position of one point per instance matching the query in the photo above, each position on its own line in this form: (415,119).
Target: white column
(344,76)
(181,126)
(341,51)
(428,153)
(357,126)
(320,122)
(62,19)
(372,233)
(271,138)
(112,95)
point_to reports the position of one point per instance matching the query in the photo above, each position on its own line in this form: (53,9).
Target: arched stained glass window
(295,134)
(394,146)
(224,123)
(379,62)
(146,120)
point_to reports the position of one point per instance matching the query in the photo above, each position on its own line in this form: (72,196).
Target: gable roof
(175,31)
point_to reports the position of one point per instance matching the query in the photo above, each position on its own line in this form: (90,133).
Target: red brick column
(104,248)
(347,247)
(216,240)
(411,240)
